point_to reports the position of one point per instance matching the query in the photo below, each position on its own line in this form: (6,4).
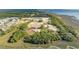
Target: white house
(51,27)
(34,25)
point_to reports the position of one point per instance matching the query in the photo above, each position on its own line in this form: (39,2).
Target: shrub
(44,37)
(19,34)
(70,29)
(16,36)
(67,37)
(2,32)
(55,37)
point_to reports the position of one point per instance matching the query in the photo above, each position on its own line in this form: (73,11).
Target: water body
(69,12)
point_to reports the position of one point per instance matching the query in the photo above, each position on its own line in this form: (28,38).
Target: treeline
(23,14)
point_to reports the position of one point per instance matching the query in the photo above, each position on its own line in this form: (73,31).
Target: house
(35,25)
(34,30)
(50,27)
(45,19)
(7,22)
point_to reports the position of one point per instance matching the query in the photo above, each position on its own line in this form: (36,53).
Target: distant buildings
(37,19)
(34,25)
(6,23)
